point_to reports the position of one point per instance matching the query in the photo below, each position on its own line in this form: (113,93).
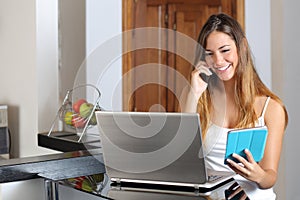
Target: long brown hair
(248,84)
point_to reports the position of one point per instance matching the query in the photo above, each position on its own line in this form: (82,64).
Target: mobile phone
(204,77)
(207,77)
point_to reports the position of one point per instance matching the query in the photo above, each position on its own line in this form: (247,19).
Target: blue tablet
(253,139)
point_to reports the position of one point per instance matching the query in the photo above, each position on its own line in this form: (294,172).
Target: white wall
(20,84)
(72,43)
(258,31)
(28,81)
(291,95)
(104,50)
(18,81)
(277,82)
(46,66)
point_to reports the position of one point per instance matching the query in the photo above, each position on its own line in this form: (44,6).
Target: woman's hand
(247,168)
(198,85)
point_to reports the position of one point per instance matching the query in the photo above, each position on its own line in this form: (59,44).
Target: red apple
(77,104)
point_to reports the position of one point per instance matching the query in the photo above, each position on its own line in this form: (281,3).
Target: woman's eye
(225,50)
(208,53)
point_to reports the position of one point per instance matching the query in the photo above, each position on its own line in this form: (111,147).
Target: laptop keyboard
(212,178)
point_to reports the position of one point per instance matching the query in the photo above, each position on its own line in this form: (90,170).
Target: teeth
(223,68)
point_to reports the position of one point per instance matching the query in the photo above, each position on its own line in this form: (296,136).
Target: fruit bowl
(77,112)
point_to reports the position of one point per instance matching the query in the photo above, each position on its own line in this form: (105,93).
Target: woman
(235,97)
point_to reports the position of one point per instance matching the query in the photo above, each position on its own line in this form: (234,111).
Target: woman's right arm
(196,88)
(191,102)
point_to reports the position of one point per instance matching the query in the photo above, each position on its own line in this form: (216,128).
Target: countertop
(54,167)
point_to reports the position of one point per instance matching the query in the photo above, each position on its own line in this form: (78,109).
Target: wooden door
(158,61)
(148,55)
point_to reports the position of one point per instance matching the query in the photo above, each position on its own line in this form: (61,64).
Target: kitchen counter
(53,167)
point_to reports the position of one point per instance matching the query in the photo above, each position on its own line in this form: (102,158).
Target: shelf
(66,141)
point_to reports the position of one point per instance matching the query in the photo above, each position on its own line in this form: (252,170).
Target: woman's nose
(218,59)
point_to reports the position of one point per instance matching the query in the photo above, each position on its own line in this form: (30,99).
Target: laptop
(157,150)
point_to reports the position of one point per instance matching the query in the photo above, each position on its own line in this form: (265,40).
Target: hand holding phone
(204,77)
(204,71)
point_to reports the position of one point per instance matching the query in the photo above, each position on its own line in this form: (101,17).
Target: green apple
(86,109)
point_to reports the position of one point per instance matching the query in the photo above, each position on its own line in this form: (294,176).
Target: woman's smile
(222,69)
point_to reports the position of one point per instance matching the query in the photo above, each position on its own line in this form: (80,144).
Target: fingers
(245,167)
(249,156)
(244,161)
(202,67)
(199,83)
(238,167)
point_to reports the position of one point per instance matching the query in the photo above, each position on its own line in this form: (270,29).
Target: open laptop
(158,150)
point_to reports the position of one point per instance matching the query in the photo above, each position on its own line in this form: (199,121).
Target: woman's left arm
(264,173)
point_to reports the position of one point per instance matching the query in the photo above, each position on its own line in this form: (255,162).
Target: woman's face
(221,55)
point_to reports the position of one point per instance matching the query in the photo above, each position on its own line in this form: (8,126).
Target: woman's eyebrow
(226,45)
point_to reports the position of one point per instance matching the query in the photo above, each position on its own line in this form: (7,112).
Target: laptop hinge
(196,187)
(116,181)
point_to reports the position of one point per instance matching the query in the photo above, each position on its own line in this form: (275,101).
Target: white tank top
(214,149)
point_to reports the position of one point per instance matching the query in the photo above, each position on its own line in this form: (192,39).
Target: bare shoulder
(275,115)
(275,107)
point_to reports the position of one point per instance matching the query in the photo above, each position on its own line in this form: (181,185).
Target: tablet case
(253,139)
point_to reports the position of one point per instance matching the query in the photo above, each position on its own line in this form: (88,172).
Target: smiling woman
(235,87)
